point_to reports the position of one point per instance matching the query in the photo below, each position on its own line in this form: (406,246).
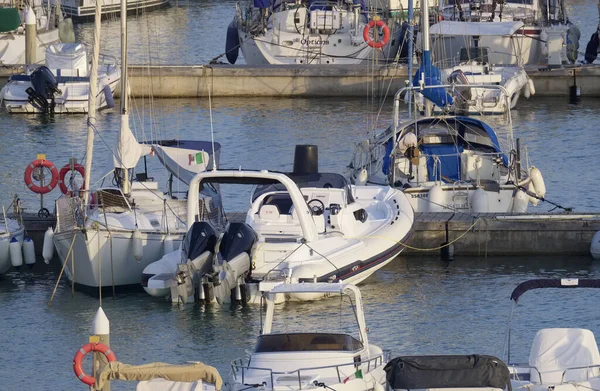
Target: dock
(484,234)
(221,80)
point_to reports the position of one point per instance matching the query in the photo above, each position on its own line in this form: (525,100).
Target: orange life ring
(85,349)
(39,163)
(63,173)
(386,34)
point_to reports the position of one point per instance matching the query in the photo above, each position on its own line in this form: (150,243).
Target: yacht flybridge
(304,226)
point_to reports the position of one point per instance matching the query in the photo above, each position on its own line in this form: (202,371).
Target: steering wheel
(318,209)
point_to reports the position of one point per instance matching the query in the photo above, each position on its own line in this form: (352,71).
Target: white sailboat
(108,237)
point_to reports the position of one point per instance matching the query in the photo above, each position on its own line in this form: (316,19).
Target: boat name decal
(306,41)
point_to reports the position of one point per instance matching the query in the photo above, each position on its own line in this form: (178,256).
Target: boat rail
(239,366)
(515,368)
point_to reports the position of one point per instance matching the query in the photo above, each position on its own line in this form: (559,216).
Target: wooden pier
(170,81)
(485,234)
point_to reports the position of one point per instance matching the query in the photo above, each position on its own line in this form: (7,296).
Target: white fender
(479,201)
(138,248)
(531,86)
(527,91)
(532,200)
(48,247)
(361,178)
(168,245)
(16,257)
(520,201)
(435,198)
(538,181)
(108,96)
(595,246)
(28,251)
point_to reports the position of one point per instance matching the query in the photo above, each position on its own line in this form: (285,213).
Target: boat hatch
(304,342)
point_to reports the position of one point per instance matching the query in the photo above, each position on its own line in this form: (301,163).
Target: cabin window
(304,342)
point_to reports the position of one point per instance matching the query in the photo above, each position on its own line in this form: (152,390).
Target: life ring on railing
(41,163)
(63,173)
(85,349)
(386,34)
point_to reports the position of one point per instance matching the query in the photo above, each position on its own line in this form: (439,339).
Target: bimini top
(553,283)
(447,27)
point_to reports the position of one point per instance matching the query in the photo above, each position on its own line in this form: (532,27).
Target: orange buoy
(386,34)
(85,349)
(41,163)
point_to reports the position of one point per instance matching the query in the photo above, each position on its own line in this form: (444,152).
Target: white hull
(5,239)
(12,46)
(95,265)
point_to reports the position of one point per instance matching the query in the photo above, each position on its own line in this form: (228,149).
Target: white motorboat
(107,239)
(10,232)
(304,226)
(475,68)
(308,359)
(12,29)
(546,38)
(560,359)
(62,85)
(315,32)
(84,9)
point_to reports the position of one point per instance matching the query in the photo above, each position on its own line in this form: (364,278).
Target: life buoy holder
(63,173)
(85,349)
(41,163)
(386,34)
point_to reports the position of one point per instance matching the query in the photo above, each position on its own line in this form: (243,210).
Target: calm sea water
(413,306)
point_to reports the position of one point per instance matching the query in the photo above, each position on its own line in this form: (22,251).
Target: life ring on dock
(85,349)
(386,34)
(63,173)
(41,163)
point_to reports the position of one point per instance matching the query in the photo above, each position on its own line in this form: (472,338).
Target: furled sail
(128,151)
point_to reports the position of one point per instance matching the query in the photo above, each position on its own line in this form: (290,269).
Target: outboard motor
(234,263)
(463,95)
(44,87)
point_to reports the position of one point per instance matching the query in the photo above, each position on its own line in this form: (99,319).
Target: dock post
(100,334)
(30,37)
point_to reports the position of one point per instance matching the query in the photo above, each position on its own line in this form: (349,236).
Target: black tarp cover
(463,371)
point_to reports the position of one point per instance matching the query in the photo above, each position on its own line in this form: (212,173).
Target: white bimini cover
(555,350)
(183,163)
(67,56)
(447,27)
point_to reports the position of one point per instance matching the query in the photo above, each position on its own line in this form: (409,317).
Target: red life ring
(63,173)
(85,349)
(39,163)
(386,34)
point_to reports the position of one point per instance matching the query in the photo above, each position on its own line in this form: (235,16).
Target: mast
(93,94)
(124,91)
(411,32)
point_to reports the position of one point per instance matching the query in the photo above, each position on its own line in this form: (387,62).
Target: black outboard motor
(239,238)
(200,238)
(45,86)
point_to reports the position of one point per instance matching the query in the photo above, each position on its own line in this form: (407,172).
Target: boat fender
(85,349)
(526,91)
(361,178)
(538,181)
(29,172)
(138,250)
(29,252)
(232,43)
(520,201)
(531,190)
(435,197)
(4,251)
(479,201)
(595,246)
(386,33)
(48,247)
(531,86)
(63,173)
(108,96)
(16,258)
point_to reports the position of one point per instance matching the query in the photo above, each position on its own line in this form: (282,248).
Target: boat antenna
(212,132)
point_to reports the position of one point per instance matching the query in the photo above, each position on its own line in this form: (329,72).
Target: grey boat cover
(180,373)
(413,372)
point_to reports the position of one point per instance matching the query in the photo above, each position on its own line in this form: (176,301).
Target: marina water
(415,305)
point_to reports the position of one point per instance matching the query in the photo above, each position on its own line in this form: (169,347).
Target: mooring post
(30,37)
(100,334)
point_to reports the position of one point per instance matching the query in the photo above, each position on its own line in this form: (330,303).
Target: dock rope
(62,270)
(532,194)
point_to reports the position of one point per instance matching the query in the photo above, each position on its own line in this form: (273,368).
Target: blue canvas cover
(449,155)
(432,77)
(262,3)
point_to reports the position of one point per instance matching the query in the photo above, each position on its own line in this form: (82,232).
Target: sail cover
(128,151)
(186,158)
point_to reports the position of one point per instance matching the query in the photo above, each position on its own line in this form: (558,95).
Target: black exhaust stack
(306,159)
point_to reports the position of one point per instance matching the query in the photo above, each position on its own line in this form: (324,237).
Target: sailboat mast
(124,90)
(411,33)
(93,93)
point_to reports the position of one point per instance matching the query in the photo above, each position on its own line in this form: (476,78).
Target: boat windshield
(316,180)
(303,342)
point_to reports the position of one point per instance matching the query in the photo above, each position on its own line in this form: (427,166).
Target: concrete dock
(484,234)
(312,81)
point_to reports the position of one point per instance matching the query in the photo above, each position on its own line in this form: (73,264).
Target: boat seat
(557,349)
(269,212)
